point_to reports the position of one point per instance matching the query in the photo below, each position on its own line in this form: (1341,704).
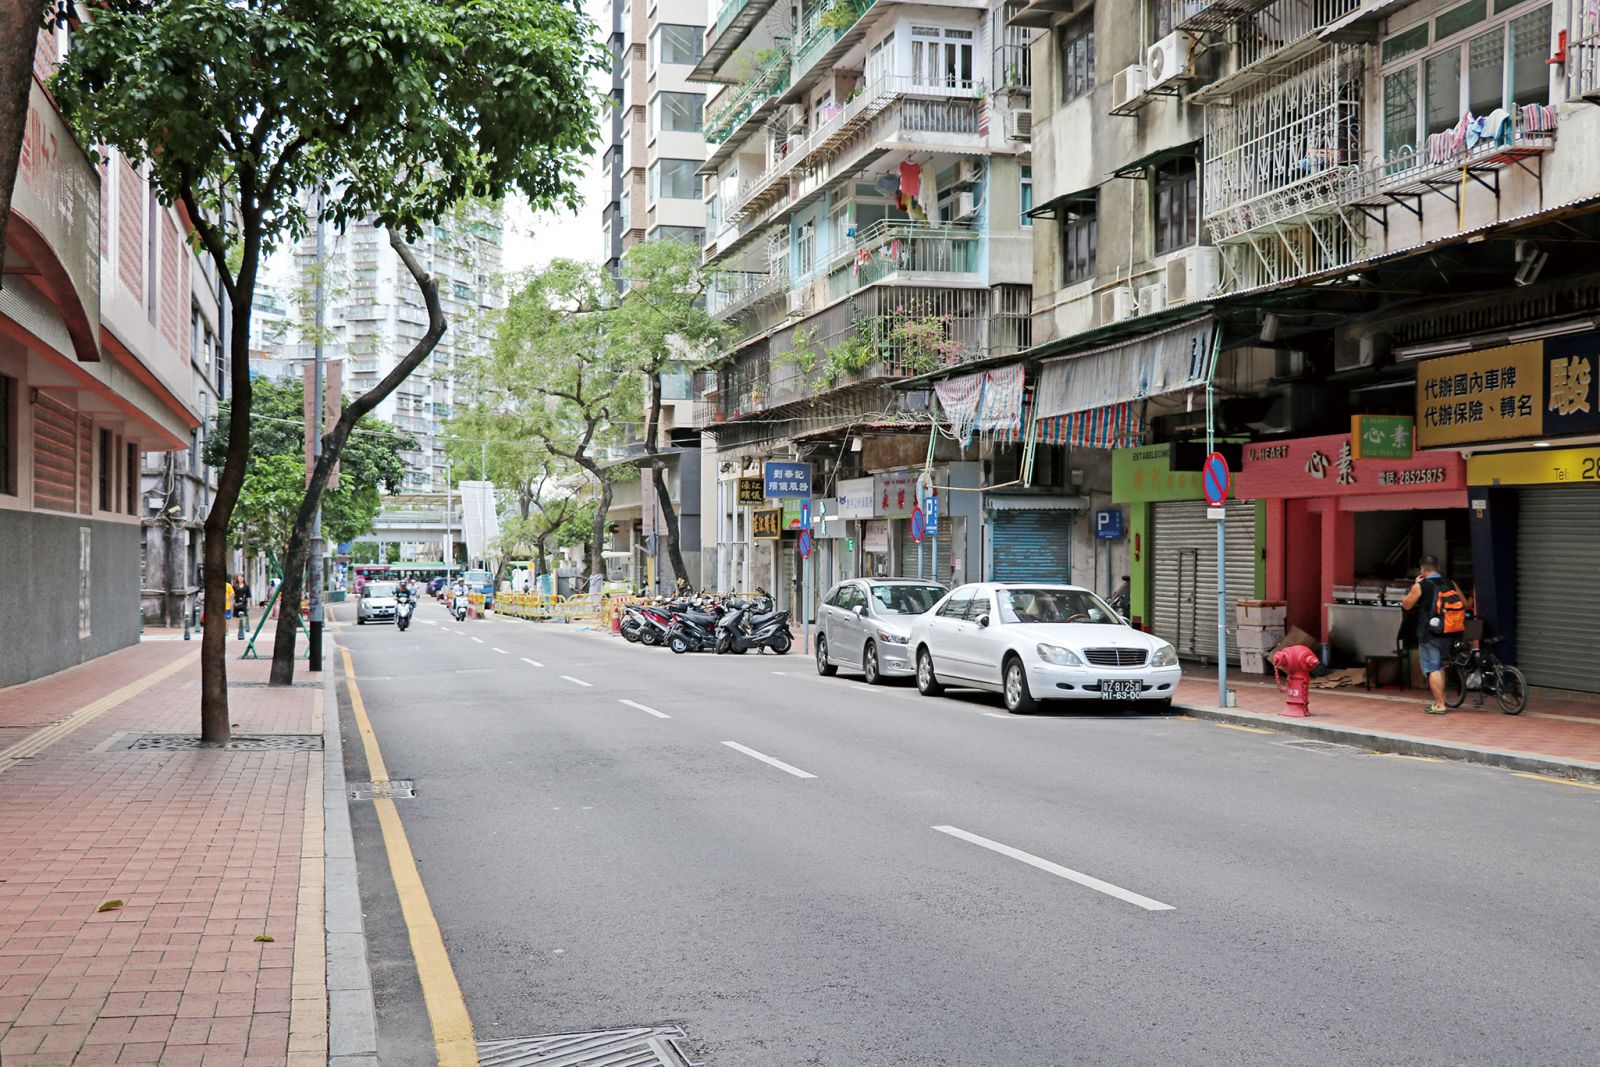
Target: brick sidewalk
(208,850)
(1553,727)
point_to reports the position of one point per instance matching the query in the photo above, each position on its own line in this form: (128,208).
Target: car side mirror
(859,610)
(983,620)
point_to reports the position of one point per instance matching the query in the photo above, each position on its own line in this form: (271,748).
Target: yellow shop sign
(1545,466)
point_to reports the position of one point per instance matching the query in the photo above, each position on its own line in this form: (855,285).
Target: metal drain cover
(643,1046)
(239,743)
(394,789)
(1329,747)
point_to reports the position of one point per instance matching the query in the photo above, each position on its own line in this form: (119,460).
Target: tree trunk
(658,476)
(597,540)
(19,38)
(299,551)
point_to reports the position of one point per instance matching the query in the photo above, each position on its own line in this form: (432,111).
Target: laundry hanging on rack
(928,198)
(910,179)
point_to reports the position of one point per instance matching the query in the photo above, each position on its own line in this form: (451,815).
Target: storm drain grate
(393,789)
(644,1046)
(1329,747)
(239,743)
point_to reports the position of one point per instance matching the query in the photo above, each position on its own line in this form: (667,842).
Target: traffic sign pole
(1215,480)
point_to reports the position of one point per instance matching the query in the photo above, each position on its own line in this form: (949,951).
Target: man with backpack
(1440,623)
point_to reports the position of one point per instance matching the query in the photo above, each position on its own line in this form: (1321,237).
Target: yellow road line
(447,1009)
(40,740)
(1246,729)
(1558,781)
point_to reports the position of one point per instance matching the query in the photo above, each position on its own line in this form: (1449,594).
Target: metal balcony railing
(766,82)
(822,28)
(888,248)
(734,291)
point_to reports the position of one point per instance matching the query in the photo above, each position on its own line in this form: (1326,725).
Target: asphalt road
(931,881)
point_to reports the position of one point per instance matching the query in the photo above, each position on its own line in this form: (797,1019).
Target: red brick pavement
(206,849)
(1561,727)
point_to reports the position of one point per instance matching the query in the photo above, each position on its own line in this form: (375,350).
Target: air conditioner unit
(1127,85)
(795,116)
(1167,59)
(1020,125)
(970,172)
(1356,353)
(966,206)
(1192,274)
(1114,305)
(1152,298)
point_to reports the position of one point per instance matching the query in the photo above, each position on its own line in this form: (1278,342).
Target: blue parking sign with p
(1108,524)
(930,511)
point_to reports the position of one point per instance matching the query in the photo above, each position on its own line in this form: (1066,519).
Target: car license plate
(1121,689)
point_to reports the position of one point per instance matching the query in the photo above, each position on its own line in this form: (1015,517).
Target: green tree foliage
(371,464)
(396,109)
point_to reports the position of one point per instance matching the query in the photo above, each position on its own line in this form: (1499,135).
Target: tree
(661,324)
(395,109)
(371,464)
(553,377)
(20,21)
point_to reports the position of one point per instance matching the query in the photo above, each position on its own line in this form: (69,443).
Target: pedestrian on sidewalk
(241,603)
(1435,641)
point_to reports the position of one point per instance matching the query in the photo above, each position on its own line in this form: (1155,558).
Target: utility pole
(316,457)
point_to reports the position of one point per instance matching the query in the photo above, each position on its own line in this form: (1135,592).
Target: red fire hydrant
(1295,661)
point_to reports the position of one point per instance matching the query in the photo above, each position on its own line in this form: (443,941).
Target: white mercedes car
(1033,643)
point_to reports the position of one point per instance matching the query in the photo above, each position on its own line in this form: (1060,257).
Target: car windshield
(379,589)
(906,599)
(1053,605)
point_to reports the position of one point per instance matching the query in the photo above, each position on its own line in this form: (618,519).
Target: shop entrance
(1558,557)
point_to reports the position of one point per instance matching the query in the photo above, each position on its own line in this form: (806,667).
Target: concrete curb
(1402,744)
(352,1016)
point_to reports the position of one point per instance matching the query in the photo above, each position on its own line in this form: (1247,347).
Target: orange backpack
(1449,615)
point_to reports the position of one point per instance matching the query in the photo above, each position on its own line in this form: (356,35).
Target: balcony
(753,95)
(906,251)
(920,112)
(825,28)
(1443,165)
(1202,16)
(736,291)
(1279,35)
(735,19)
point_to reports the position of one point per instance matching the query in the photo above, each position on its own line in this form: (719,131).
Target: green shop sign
(1145,475)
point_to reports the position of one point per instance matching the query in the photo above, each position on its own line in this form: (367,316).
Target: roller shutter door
(1183,573)
(937,570)
(1558,556)
(1030,546)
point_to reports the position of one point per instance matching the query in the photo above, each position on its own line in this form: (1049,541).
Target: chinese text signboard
(894,494)
(1380,436)
(750,494)
(1326,466)
(767,525)
(1145,474)
(786,478)
(855,499)
(1536,389)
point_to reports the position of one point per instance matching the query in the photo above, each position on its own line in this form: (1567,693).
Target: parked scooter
(694,629)
(742,629)
(632,624)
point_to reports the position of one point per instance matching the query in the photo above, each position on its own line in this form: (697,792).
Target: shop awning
(988,401)
(1033,502)
(1165,361)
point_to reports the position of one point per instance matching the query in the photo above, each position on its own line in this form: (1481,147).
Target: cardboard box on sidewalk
(1261,613)
(1253,660)
(1258,638)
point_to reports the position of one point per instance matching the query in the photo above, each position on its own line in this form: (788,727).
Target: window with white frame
(693,236)
(676,45)
(679,112)
(1025,195)
(880,60)
(805,246)
(1477,57)
(673,179)
(941,57)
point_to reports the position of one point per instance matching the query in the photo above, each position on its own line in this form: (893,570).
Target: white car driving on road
(1037,642)
(377,604)
(865,622)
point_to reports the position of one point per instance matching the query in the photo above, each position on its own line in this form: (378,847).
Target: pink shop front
(1342,535)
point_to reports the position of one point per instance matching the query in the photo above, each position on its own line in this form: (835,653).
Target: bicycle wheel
(1511,689)
(1455,685)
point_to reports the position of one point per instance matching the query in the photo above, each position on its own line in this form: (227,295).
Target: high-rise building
(374,314)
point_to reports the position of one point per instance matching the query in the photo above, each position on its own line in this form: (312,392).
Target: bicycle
(1474,666)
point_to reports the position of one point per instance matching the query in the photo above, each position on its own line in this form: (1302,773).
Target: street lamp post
(316,455)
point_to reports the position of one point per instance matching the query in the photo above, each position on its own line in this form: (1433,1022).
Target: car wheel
(824,668)
(869,664)
(927,684)
(360,621)
(1019,701)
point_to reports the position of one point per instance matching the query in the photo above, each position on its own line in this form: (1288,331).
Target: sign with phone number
(1578,465)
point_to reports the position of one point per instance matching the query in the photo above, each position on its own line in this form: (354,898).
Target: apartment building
(374,313)
(650,174)
(1340,241)
(867,187)
(97,313)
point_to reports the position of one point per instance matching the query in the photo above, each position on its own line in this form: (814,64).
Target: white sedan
(1032,643)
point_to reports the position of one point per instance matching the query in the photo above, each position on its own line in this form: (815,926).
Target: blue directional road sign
(805,514)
